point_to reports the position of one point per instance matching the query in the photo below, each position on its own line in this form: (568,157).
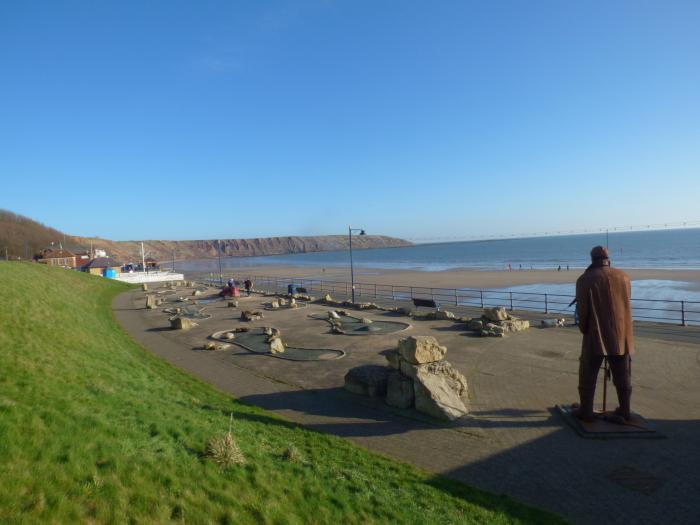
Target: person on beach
(605,320)
(248,286)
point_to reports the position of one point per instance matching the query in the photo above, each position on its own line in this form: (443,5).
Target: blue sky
(133,120)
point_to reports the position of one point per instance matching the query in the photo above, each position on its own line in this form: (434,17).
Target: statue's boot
(624,396)
(584,411)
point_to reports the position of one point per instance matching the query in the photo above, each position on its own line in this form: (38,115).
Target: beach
(455,278)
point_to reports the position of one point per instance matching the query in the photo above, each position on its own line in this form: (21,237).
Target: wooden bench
(427,303)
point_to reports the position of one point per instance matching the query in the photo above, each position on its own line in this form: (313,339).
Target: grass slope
(95,429)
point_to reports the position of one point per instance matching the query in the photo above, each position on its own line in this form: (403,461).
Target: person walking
(248,286)
(605,320)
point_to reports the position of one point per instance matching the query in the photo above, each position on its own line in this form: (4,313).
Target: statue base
(609,426)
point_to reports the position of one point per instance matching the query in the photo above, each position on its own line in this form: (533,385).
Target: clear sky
(195,119)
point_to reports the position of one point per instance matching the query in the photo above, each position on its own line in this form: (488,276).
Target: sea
(659,249)
(677,249)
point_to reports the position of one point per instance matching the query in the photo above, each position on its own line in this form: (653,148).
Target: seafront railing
(680,312)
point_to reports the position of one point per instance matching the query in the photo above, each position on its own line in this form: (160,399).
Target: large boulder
(181,323)
(454,378)
(232,304)
(435,397)
(367,380)
(421,349)
(151,302)
(515,325)
(399,391)
(496,314)
(195,293)
(274,305)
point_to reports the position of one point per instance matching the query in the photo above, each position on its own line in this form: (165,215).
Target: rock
(144,287)
(394,359)
(399,391)
(337,329)
(271,331)
(454,377)
(247,315)
(444,315)
(435,397)
(274,305)
(367,306)
(196,292)
(496,314)
(151,302)
(364,320)
(216,347)
(276,345)
(229,335)
(333,315)
(292,302)
(282,302)
(475,325)
(327,298)
(495,329)
(552,323)
(181,323)
(367,380)
(241,330)
(421,349)
(515,325)
(232,304)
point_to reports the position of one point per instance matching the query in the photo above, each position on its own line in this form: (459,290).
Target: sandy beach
(457,278)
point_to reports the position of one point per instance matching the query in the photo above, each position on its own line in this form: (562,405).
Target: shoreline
(454,278)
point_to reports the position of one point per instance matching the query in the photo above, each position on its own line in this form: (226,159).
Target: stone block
(421,349)
(367,380)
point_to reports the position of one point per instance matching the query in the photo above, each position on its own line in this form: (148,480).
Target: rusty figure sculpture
(605,320)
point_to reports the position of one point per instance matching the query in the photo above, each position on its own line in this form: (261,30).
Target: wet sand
(458,278)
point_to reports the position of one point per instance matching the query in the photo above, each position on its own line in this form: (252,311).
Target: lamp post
(218,253)
(352,269)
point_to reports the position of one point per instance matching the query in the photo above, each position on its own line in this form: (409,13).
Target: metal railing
(680,312)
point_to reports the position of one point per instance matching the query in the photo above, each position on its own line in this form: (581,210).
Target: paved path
(514,443)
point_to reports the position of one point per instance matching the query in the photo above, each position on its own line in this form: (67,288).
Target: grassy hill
(95,429)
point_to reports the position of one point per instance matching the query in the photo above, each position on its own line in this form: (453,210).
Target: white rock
(496,314)
(421,349)
(435,397)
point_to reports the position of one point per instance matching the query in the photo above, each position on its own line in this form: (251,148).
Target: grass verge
(95,429)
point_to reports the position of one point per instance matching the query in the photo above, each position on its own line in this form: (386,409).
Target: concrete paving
(514,442)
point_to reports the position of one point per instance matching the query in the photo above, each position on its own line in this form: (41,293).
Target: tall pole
(173,261)
(218,253)
(143,259)
(352,270)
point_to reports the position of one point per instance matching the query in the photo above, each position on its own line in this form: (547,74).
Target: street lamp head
(362,232)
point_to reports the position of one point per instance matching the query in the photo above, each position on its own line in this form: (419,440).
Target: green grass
(95,429)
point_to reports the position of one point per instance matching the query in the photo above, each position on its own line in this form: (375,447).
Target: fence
(667,311)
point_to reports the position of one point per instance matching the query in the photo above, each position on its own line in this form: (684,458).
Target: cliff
(164,250)
(23,237)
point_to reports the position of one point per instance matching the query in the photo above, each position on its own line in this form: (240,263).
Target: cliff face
(164,250)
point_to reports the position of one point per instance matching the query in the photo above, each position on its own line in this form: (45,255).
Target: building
(57,257)
(151,263)
(105,266)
